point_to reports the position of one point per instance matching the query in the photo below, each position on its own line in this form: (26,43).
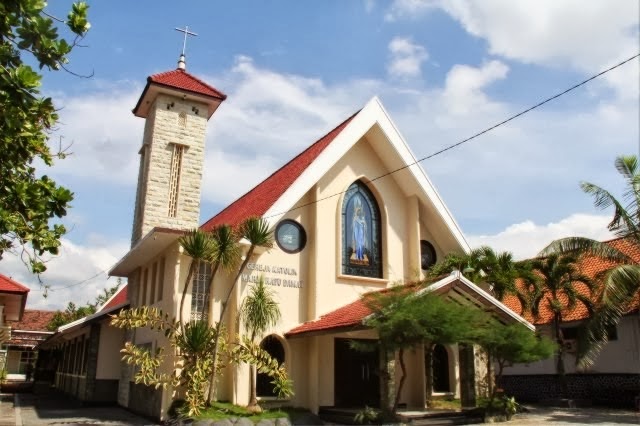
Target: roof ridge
(292,160)
(10,280)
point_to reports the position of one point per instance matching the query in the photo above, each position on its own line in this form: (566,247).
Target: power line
(441,151)
(51,288)
(457,144)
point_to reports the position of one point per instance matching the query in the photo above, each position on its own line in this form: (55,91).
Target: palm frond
(627,166)
(256,231)
(582,245)
(228,251)
(619,291)
(198,245)
(259,309)
(622,223)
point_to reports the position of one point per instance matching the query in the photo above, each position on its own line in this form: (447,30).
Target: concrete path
(575,416)
(55,409)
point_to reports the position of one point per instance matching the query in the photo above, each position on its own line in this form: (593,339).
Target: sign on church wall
(274,275)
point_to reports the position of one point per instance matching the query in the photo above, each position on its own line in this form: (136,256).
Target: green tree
(621,284)
(512,344)
(30,201)
(226,255)
(200,247)
(260,311)
(495,270)
(74,312)
(405,319)
(256,232)
(221,249)
(557,290)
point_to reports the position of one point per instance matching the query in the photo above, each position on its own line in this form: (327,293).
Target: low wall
(615,390)
(145,400)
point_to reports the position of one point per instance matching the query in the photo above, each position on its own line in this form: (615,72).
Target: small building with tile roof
(82,358)
(13,299)
(353,213)
(614,378)
(26,334)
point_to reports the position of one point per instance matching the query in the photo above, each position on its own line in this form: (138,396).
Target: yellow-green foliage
(193,345)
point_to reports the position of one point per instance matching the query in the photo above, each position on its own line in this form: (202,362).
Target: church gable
(261,198)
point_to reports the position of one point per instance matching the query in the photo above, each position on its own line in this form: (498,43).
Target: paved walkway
(55,409)
(575,416)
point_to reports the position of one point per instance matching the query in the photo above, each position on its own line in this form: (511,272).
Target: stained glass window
(361,245)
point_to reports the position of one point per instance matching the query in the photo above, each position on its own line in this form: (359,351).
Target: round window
(427,254)
(290,236)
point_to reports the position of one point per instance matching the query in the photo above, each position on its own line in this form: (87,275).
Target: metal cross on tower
(181,63)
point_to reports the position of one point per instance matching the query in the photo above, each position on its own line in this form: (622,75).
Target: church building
(353,213)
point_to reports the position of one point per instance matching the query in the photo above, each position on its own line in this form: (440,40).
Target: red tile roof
(590,266)
(350,315)
(7,285)
(33,320)
(182,80)
(257,201)
(118,299)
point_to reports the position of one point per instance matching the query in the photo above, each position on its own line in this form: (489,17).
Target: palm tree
(200,247)
(256,232)
(620,285)
(557,290)
(226,255)
(495,270)
(260,311)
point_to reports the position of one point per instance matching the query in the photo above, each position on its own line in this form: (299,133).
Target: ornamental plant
(194,345)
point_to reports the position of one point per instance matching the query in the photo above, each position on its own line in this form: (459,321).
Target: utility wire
(457,144)
(56,288)
(441,151)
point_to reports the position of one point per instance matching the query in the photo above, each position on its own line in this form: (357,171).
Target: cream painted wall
(108,364)
(323,288)
(619,356)
(310,283)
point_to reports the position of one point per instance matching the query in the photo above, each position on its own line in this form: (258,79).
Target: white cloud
(587,36)
(104,135)
(464,84)
(406,58)
(369,5)
(402,9)
(526,239)
(66,272)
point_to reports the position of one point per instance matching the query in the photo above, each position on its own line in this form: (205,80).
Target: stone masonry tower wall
(171,164)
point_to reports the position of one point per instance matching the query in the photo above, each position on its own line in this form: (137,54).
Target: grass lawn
(225,410)
(445,404)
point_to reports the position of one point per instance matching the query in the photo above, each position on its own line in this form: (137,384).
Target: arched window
(361,245)
(272,345)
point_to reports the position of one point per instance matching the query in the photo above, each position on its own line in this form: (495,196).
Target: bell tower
(176,106)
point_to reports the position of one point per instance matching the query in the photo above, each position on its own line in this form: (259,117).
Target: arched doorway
(274,347)
(440,369)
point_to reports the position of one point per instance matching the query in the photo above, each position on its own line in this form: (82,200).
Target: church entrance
(440,369)
(357,380)
(272,345)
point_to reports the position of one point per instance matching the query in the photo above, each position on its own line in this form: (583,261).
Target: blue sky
(444,69)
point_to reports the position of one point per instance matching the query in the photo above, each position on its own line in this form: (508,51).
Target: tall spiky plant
(226,256)
(260,311)
(256,232)
(621,284)
(200,247)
